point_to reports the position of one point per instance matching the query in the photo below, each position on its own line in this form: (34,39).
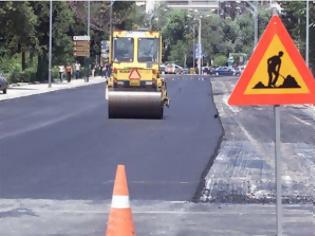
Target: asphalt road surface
(61,145)
(58,155)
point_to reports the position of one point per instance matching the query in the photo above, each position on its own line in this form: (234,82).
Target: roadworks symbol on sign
(276,73)
(134,75)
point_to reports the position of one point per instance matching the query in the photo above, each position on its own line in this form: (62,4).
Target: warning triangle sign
(134,75)
(276,73)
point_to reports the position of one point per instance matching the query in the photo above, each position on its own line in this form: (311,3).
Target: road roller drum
(135,104)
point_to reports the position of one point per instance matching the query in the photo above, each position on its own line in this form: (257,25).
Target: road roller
(135,88)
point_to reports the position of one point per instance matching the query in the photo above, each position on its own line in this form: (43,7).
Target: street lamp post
(111,18)
(50,44)
(194,50)
(199,48)
(254,12)
(256,27)
(89,18)
(88,33)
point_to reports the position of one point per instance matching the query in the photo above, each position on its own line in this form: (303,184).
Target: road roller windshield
(123,49)
(148,50)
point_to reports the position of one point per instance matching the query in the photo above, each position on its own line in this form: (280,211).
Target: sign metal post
(278,169)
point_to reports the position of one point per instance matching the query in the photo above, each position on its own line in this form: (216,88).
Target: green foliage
(294,17)
(62,43)
(177,53)
(62,40)
(17,23)
(9,64)
(55,73)
(220,60)
(172,32)
(122,15)
(28,75)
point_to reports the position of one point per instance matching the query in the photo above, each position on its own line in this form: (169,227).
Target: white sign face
(82,37)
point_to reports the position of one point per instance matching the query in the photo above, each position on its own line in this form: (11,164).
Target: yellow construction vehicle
(135,88)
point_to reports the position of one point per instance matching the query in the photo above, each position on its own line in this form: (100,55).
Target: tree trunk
(23,60)
(42,68)
(31,58)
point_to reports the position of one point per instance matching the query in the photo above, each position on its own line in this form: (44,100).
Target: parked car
(3,84)
(207,70)
(241,68)
(185,71)
(225,71)
(172,68)
(162,68)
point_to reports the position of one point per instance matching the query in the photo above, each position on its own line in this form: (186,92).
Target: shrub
(220,60)
(28,75)
(54,72)
(9,65)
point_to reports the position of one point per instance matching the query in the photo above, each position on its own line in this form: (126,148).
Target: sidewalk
(25,89)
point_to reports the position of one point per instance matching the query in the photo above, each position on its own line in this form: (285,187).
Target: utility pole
(199,48)
(88,33)
(253,8)
(111,18)
(194,49)
(89,18)
(307,43)
(50,44)
(256,25)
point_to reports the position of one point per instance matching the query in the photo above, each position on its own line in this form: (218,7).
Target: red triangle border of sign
(238,97)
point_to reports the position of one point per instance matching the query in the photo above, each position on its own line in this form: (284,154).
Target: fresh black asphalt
(61,145)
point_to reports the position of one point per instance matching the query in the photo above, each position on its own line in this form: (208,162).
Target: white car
(172,68)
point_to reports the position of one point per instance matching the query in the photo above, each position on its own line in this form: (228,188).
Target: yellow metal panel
(136,34)
(123,74)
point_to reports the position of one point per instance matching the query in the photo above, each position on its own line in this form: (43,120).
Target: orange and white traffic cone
(120,221)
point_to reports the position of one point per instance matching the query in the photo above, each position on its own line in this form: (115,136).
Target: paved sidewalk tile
(23,89)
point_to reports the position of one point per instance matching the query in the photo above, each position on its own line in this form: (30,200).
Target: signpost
(276,74)
(81,46)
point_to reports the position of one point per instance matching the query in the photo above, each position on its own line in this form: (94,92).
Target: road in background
(61,145)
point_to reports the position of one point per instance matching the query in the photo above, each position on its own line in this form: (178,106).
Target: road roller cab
(135,89)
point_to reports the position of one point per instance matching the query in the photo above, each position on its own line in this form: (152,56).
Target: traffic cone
(120,221)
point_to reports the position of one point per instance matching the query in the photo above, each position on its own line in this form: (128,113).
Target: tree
(63,18)
(294,18)
(124,16)
(17,23)
(176,35)
(178,53)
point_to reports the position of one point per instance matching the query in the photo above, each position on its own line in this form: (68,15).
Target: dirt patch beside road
(244,167)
